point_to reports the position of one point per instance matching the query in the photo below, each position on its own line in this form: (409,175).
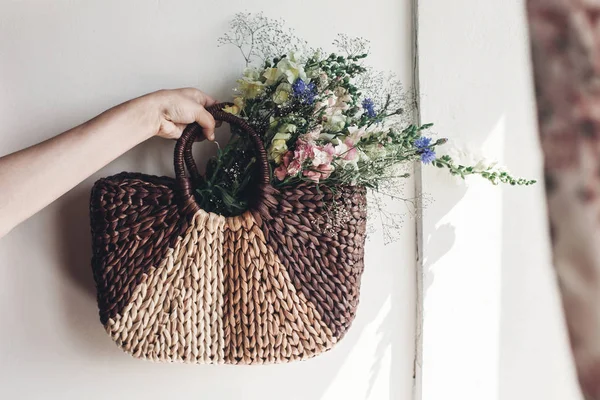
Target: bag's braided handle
(183,153)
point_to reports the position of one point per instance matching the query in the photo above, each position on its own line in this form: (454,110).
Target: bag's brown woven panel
(134,220)
(319,236)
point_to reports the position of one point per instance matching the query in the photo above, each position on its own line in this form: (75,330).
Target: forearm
(34,177)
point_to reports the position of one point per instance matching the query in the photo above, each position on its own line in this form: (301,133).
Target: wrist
(145,113)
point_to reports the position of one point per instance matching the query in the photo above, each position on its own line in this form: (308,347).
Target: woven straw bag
(175,283)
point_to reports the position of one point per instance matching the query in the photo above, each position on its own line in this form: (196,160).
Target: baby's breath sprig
(324,118)
(260,38)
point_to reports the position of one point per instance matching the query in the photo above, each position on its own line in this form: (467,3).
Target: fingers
(180,107)
(199,97)
(179,129)
(209,101)
(207,122)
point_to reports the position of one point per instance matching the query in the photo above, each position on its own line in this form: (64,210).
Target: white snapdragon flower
(470,156)
(252,74)
(291,68)
(288,128)
(320,157)
(288,68)
(375,151)
(327,137)
(350,165)
(473,157)
(356,133)
(335,123)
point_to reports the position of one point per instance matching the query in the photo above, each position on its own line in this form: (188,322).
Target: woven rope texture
(278,283)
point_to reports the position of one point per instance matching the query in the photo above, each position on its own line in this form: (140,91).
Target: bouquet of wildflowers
(325,119)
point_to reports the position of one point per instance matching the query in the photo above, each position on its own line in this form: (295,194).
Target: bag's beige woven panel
(177,313)
(268,320)
(220,295)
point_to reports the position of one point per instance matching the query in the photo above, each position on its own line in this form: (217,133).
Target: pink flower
(281,172)
(335,102)
(304,150)
(347,150)
(287,158)
(314,134)
(294,167)
(352,152)
(320,173)
(290,165)
(323,155)
(312,175)
(329,149)
(326,170)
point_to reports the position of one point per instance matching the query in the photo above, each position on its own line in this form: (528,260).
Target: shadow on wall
(440,240)
(74,239)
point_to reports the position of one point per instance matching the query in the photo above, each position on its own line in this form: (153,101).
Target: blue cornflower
(299,87)
(303,92)
(427,156)
(369,107)
(423,144)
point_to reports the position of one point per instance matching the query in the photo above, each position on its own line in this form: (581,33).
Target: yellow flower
(240,102)
(273,122)
(279,144)
(282,93)
(235,110)
(291,128)
(252,74)
(282,136)
(249,88)
(277,149)
(272,75)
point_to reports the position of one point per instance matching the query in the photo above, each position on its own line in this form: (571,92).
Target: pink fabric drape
(565,40)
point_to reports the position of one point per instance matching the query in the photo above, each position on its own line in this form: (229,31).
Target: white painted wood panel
(62,62)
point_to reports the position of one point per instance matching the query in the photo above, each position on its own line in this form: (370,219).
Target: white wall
(62,62)
(493,327)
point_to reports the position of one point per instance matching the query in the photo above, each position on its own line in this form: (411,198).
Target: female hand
(170,111)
